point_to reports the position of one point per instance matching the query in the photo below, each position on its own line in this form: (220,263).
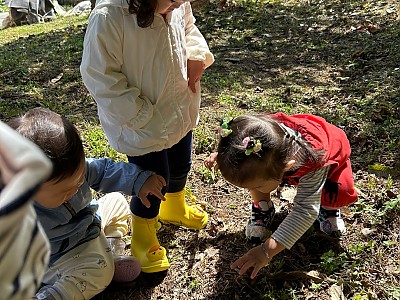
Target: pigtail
(315,157)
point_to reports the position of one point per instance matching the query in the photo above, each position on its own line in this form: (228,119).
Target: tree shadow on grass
(43,70)
(332,58)
(273,45)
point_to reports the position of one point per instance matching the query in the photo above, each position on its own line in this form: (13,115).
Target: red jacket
(321,135)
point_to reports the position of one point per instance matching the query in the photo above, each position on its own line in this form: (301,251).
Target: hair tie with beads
(252,145)
(223,129)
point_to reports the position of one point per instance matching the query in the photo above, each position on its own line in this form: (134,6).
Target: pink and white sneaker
(262,215)
(330,222)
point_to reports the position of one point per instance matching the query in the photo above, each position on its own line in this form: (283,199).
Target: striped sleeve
(305,210)
(24,248)
(24,253)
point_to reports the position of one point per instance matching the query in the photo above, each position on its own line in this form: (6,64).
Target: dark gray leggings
(173,164)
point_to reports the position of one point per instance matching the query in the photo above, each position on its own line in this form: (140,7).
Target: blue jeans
(173,164)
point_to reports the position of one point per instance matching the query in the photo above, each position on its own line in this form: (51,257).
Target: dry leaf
(336,292)
(56,79)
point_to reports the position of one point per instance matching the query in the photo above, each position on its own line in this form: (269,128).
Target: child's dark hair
(56,136)
(277,149)
(144,10)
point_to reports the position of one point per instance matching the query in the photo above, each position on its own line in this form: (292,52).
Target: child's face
(166,6)
(261,185)
(53,194)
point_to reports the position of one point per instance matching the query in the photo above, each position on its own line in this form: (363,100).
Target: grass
(292,56)
(25,31)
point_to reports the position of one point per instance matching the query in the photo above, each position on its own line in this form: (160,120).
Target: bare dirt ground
(200,260)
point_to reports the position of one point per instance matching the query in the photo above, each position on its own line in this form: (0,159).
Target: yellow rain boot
(145,246)
(176,211)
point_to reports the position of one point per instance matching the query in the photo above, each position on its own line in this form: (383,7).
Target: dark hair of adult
(269,163)
(144,10)
(56,136)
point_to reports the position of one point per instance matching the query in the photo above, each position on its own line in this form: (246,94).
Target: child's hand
(255,258)
(195,70)
(152,186)
(211,162)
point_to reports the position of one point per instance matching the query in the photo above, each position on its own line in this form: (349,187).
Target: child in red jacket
(261,152)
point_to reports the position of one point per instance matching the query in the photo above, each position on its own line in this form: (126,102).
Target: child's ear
(289,165)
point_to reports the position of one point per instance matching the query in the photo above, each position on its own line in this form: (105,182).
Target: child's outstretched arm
(211,162)
(258,257)
(106,176)
(152,186)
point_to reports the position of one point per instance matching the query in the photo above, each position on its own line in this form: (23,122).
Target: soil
(200,260)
